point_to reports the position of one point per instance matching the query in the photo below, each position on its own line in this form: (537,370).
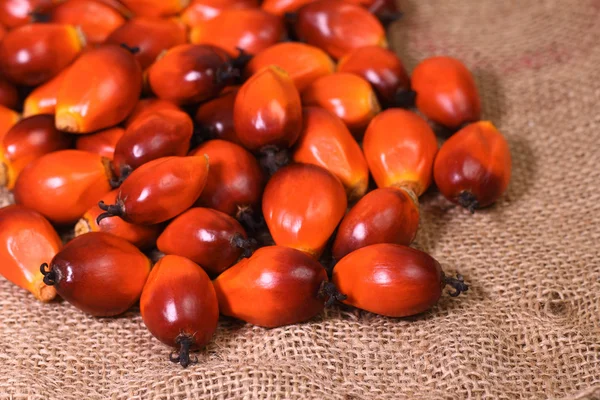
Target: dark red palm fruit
(151,36)
(302,206)
(214,118)
(251,30)
(235,181)
(282,7)
(156,8)
(102,143)
(42,100)
(446,91)
(210,238)
(9,96)
(8,118)
(98,273)
(159,190)
(26,241)
(179,306)
(473,167)
(392,280)
(14,13)
(33,54)
(161,134)
(338,27)
(2,32)
(62,185)
(384,215)
(381,67)
(28,140)
(275,287)
(149,106)
(203,10)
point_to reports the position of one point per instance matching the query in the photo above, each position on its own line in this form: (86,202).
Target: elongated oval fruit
(83,105)
(281,7)
(473,167)
(348,96)
(400,147)
(302,205)
(304,63)
(26,241)
(235,181)
(149,106)
(42,100)
(160,134)
(28,140)
(33,54)
(8,118)
(384,215)
(253,289)
(156,8)
(62,185)
(325,141)
(9,96)
(203,10)
(159,190)
(98,273)
(179,306)
(102,143)
(392,280)
(151,36)
(215,117)
(141,236)
(446,91)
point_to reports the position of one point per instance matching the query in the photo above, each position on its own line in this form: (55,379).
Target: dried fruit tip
(115,182)
(133,50)
(49,275)
(468,201)
(183,358)
(457,283)
(329,290)
(112,210)
(248,245)
(272,159)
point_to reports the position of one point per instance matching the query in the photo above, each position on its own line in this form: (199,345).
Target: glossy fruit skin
(400,147)
(62,185)
(156,8)
(380,67)
(203,10)
(9,97)
(475,162)
(42,100)
(302,206)
(325,141)
(377,6)
(384,215)
(281,7)
(102,143)
(149,106)
(215,117)
(348,96)
(235,180)
(205,236)
(275,287)
(304,63)
(28,140)
(8,118)
(151,36)
(161,134)
(338,27)
(389,279)
(142,236)
(100,274)
(179,299)
(252,30)
(83,106)
(268,111)
(26,241)
(446,91)
(15,13)
(186,74)
(33,54)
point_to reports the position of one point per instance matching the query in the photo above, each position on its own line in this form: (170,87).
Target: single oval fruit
(400,147)
(302,206)
(102,143)
(9,96)
(156,8)
(83,105)
(203,10)
(149,106)
(179,306)
(42,100)
(215,117)
(26,241)
(98,273)
(473,167)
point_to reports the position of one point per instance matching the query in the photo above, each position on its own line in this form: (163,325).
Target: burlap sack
(528,328)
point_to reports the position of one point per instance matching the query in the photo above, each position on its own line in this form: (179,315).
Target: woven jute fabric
(528,328)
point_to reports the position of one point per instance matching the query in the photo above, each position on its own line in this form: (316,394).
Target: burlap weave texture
(528,328)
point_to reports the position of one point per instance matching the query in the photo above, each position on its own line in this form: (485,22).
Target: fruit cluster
(239,140)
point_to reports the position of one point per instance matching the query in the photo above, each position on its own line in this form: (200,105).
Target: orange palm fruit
(149,106)
(251,30)
(28,140)
(215,117)
(33,54)
(9,96)
(338,27)
(348,96)
(14,13)
(156,8)
(63,185)
(8,118)
(400,148)
(84,106)
(42,100)
(325,141)
(151,36)
(26,241)
(282,7)
(141,236)
(302,206)
(203,10)
(304,63)
(102,143)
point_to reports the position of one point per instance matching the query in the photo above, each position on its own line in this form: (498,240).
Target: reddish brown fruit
(98,273)
(26,241)
(179,306)
(215,117)
(42,100)
(156,8)
(147,107)
(9,97)
(203,10)
(8,118)
(14,13)
(281,7)
(102,143)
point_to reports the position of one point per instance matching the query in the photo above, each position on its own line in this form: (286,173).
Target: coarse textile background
(528,328)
